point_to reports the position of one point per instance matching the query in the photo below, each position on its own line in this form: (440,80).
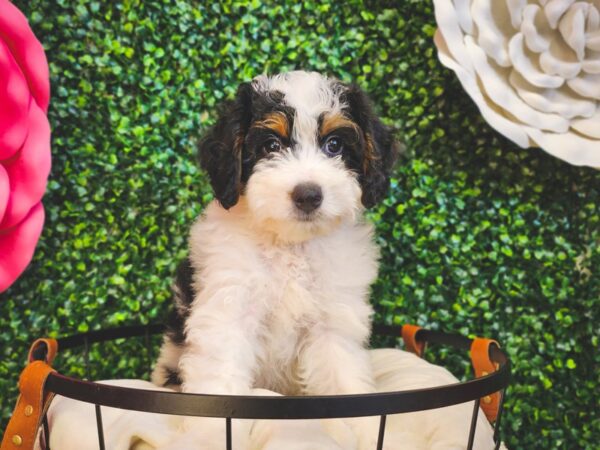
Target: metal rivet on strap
(28,410)
(17,440)
(487,399)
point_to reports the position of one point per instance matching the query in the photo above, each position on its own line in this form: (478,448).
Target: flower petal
(4,191)
(495,82)
(586,85)
(592,62)
(493,24)
(17,246)
(560,101)
(589,126)
(593,19)
(463,14)
(28,172)
(449,28)
(570,147)
(572,28)
(27,51)
(515,9)
(560,60)
(554,9)
(536,30)
(15,96)
(525,63)
(593,40)
(468,79)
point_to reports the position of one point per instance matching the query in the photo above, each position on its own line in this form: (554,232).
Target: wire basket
(231,407)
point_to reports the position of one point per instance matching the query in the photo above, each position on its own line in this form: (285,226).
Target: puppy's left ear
(220,152)
(380,150)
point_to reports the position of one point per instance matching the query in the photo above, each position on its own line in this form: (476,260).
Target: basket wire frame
(81,390)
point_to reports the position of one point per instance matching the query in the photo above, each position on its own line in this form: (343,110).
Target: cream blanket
(73,423)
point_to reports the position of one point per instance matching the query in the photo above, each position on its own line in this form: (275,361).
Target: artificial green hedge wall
(478,236)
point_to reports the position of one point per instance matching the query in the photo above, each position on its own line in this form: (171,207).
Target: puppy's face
(306,153)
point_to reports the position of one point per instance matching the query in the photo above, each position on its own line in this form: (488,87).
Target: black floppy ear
(380,150)
(220,152)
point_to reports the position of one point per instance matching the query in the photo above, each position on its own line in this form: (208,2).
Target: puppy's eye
(272,145)
(333,146)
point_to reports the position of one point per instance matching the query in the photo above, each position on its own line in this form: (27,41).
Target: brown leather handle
(483,365)
(43,349)
(411,343)
(480,358)
(22,429)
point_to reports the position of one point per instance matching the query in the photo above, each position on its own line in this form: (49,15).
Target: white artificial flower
(532,68)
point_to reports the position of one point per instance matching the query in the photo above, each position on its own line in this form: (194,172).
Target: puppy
(275,292)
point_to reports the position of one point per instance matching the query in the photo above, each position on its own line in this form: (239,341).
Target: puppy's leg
(335,363)
(331,363)
(221,343)
(165,373)
(220,355)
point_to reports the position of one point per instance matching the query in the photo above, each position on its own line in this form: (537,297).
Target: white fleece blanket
(73,423)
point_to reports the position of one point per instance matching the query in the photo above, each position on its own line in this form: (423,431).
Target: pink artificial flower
(24,141)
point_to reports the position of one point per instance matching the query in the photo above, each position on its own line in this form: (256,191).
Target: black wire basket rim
(278,407)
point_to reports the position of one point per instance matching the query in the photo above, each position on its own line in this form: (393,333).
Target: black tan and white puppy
(275,293)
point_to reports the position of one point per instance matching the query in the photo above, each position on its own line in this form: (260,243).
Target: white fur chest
(285,289)
(291,308)
(291,281)
(309,283)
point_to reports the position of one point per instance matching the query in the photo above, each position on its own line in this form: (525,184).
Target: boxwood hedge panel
(477,236)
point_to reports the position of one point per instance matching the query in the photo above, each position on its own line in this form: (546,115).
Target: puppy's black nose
(307,197)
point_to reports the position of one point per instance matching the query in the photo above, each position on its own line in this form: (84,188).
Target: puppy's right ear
(220,152)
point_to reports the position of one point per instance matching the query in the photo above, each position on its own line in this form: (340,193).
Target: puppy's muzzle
(307,197)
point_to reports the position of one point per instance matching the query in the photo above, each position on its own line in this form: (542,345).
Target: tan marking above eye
(332,122)
(276,121)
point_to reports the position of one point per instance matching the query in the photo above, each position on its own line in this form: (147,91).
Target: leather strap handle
(22,429)
(483,365)
(44,349)
(411,341)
